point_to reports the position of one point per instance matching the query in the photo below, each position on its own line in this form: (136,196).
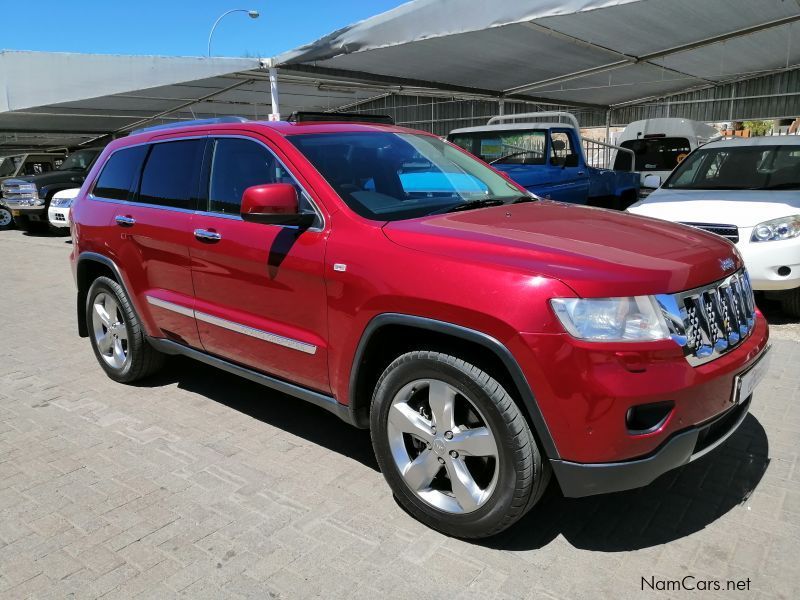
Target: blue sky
(176,27)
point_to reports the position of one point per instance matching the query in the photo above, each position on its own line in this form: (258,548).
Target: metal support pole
(275,115)
(501,107)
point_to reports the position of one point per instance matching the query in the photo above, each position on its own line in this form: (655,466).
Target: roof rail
(538,115)
(190,123)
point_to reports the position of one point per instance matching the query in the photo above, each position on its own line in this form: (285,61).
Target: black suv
(28,198)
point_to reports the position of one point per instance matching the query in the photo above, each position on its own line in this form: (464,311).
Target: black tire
(6,220)
(58,231)
(790,302)
(522,471)
(142,359)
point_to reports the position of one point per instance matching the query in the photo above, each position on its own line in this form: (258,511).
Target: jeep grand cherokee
(486,338)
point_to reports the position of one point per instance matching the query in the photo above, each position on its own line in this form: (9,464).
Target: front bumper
(577,479)
(585,391)
(58,217)
(764,260)
(33,213)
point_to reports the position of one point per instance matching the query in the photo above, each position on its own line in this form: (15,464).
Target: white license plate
(745,383)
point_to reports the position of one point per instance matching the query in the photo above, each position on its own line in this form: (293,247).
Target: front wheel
(790,302)
(6,220)
(117,336)
(453,445)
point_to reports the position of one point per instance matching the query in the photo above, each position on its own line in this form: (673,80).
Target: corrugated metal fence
(772,96)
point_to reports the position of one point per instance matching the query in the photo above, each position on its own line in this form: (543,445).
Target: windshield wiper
(512,155)
(482,203)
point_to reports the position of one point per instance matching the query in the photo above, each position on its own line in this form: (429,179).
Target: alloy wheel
(110,331)
(5,217)
(442,446)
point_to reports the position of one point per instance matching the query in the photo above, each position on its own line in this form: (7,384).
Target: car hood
(51,177)
(743,208)
(596,252)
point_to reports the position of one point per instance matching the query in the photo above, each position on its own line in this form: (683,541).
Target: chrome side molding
(272,338)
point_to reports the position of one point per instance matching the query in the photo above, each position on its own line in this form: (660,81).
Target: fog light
(784,271)
(646,418)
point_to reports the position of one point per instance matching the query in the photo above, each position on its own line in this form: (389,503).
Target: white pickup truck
(747,190)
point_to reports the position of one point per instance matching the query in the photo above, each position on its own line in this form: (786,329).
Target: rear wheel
(790,302)
(117,335)
(453,446)
(6,220)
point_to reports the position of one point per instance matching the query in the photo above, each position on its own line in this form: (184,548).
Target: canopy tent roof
(600,52)
(590,53)
(50,100)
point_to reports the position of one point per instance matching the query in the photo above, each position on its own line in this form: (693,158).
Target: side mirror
(274,204)
(652,181)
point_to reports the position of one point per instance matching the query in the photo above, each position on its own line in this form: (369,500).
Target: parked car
(23,164)
(486,338)
(29,197)
(660,145)
(548,160)
(748,191)
(58,212)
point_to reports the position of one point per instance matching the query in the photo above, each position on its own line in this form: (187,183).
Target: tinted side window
(238,164)
(170,176)
(119,173)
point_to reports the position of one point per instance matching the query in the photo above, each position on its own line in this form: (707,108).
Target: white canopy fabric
(596,52)
(50,100)
(591,53)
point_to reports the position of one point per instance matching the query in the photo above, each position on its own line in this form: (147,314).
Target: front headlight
(631,319)
(61,202)
(784,228)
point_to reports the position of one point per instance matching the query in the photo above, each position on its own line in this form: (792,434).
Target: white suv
(747,190)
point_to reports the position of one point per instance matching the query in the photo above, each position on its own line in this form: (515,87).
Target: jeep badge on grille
(727,264)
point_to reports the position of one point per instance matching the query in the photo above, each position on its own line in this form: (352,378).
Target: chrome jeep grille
(729,232)
(711,320)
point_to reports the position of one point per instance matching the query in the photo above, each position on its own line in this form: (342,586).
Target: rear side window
(119,173)
(171,174)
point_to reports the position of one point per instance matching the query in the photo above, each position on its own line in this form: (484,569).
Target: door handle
(581,172)
(124,221)
(204,235)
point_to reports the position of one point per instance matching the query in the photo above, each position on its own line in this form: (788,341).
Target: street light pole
(253,14)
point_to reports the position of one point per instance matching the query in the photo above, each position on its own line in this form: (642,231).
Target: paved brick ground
(199,485)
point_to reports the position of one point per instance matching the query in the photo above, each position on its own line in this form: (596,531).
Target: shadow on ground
(677,504)
(279,410)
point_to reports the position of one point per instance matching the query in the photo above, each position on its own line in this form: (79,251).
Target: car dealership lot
(200,483)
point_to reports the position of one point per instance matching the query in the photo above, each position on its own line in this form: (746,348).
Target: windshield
(653,154)
(9,165)
(738,168)
(512,146)
(78,161)
(389,176)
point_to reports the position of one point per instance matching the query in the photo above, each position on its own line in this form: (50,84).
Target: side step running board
(322,400)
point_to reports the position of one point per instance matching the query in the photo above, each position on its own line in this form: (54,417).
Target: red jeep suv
(488,339)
